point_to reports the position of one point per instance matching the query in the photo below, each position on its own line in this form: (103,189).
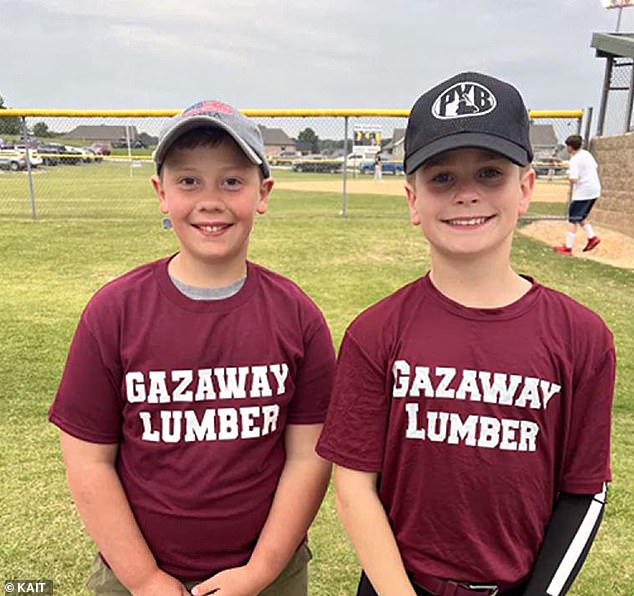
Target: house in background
(303,147)
(111,135)
(276,141)
(396,148)
(544,141)
(101,133)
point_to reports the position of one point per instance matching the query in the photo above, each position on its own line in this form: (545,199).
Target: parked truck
(331,165)
(387,167)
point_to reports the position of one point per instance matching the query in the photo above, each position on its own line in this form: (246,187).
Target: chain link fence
(96,165)
(619,116)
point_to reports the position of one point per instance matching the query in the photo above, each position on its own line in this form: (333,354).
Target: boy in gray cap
(195,389)
(470,419)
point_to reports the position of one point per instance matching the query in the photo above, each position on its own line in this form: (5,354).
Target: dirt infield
(615,248)
(551,192)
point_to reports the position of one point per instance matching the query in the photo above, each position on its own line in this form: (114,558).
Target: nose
(466,193)
(212,202)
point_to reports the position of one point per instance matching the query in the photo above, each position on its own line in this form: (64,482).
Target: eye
(490,173)
(187,182)
(232,183)
(441,178)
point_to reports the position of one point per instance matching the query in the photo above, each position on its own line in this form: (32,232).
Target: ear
(264,193)
(410,191)
(160,193)
(527,188)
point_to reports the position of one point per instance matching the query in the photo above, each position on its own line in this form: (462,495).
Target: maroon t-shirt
(197,394)
(474,420)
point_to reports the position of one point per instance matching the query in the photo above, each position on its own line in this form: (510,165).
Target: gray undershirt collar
(208,293)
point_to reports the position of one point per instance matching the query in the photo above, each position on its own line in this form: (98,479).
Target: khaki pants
(293,581)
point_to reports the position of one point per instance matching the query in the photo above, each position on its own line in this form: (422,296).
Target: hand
(159,583)
(237,581)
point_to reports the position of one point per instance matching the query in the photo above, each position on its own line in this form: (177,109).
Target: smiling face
(212,194)
(468,201)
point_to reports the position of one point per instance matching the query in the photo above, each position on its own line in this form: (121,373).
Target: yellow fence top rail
(572,114)
(37,113)
(271,113)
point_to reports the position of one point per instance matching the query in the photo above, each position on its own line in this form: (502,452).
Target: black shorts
(579,210)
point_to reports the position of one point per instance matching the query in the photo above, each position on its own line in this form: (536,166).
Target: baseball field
(92,231)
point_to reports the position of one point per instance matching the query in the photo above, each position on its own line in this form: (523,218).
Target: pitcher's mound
(615,249)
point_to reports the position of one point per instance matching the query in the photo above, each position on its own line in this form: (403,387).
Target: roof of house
(398,136)
(101,132)
(275,136)
(543,135)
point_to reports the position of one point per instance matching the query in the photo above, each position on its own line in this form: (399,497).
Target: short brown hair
(575,142)
(200,137)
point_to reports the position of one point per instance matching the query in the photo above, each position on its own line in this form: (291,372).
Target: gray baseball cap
(214,114)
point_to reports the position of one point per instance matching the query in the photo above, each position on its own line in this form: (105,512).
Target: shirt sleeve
(586,464)
(315,377)
(88,402)
(355,429)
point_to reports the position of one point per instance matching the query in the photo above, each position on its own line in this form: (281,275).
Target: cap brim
(466,140)
(193,122)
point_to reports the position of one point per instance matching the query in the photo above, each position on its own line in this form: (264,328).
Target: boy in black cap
(195,390)
(470,420)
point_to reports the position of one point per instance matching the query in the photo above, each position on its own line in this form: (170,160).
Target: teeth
(474,221)
(211,229)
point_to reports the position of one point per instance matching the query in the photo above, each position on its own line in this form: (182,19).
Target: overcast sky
(156,54)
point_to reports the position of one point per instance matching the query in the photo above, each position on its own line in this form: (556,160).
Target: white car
(87,155)
(34,156)
(10,160)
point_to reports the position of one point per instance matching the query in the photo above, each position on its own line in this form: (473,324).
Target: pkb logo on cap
(463,100)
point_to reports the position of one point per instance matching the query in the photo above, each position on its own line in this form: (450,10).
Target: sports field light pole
(25,134)
(620,4)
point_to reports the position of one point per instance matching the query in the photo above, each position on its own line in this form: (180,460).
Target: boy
(195,390)
(586,188)
(470,418)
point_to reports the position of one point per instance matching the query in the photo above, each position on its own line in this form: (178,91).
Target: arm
(568,539)
(585,470)
(105,511)
(573,175)
(299,493)
(367,525)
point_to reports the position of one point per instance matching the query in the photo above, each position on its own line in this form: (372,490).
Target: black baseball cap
(468,110)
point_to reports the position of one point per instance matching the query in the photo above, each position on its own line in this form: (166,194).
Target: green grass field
(94,226)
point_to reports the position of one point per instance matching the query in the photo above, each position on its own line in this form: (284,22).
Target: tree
(8,126)
(308,135)
(40,129)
